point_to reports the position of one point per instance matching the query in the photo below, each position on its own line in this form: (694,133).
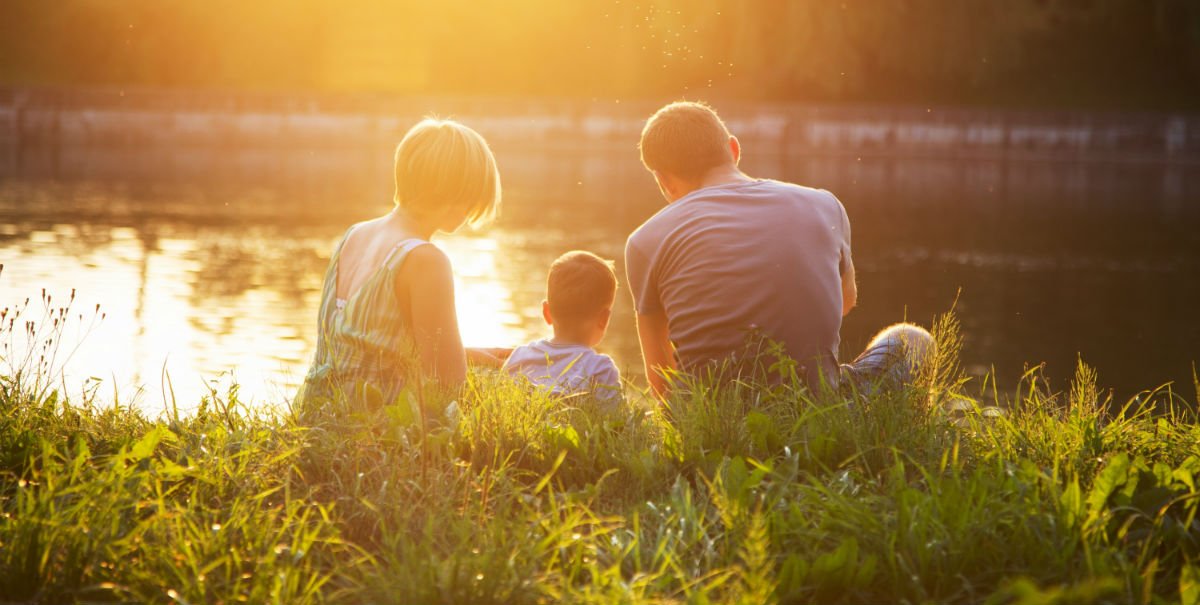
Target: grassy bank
(744,493)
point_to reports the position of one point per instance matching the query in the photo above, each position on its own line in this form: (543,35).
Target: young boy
(580,290)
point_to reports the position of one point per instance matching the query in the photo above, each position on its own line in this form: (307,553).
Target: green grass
(742,493)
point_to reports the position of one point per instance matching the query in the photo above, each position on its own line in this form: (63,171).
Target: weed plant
(737,492)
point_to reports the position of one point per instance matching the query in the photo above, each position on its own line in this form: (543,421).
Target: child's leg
(894,356)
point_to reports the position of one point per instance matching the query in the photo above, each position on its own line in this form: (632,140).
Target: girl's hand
(488,357)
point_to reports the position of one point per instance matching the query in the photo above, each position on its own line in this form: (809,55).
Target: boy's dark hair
(579,286)
(685,139)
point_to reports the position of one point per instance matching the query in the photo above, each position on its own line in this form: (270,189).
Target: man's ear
(546,313)
(735,149)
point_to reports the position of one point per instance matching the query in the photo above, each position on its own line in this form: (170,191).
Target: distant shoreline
(111,117)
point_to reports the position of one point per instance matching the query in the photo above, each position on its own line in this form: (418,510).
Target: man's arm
(849,288)
(656,351)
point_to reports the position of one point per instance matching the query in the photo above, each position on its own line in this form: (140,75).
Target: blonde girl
(387,312)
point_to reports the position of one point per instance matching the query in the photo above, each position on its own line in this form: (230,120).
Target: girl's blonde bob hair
(444,169)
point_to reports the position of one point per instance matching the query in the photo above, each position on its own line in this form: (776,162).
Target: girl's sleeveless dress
(365,352)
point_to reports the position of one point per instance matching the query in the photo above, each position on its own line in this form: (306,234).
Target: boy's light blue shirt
(566,368)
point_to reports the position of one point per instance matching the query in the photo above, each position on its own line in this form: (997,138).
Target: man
(732,260)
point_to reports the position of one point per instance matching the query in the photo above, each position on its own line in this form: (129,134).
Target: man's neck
(725,175)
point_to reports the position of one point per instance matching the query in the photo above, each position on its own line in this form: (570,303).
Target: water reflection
(208,263)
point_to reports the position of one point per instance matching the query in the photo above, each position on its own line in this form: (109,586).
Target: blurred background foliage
(1119,54)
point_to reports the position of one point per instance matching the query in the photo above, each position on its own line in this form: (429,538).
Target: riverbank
(244,120)
(746,494)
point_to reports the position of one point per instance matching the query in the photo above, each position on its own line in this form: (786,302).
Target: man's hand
(657,351)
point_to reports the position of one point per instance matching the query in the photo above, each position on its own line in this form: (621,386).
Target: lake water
(208,265)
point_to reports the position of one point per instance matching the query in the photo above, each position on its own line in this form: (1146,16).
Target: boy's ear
(546,313)
(735,149)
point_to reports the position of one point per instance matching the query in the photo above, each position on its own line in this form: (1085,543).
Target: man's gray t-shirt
(758,256)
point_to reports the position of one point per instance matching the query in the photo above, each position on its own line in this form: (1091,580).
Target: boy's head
(682,142)
(580,290)
(446,174)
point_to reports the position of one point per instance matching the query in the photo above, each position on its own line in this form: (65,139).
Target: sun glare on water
(487,315)
(153,321)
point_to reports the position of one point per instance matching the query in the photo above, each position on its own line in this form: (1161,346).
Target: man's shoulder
(796,189)
(700,202)
(760,189)
(652,229)
(668,217)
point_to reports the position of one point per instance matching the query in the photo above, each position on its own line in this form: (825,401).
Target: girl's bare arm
(434,320)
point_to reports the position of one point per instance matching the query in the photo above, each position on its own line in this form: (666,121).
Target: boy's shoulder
(602,362)
(564,368)
(546,350)
(526,352)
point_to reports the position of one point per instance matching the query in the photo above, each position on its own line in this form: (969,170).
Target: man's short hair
(580,285)
(685,139)
(443,165)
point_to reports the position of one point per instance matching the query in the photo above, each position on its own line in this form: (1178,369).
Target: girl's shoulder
(419,261)
(425,254)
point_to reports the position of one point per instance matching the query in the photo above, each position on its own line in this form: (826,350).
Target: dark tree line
(1046,53)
